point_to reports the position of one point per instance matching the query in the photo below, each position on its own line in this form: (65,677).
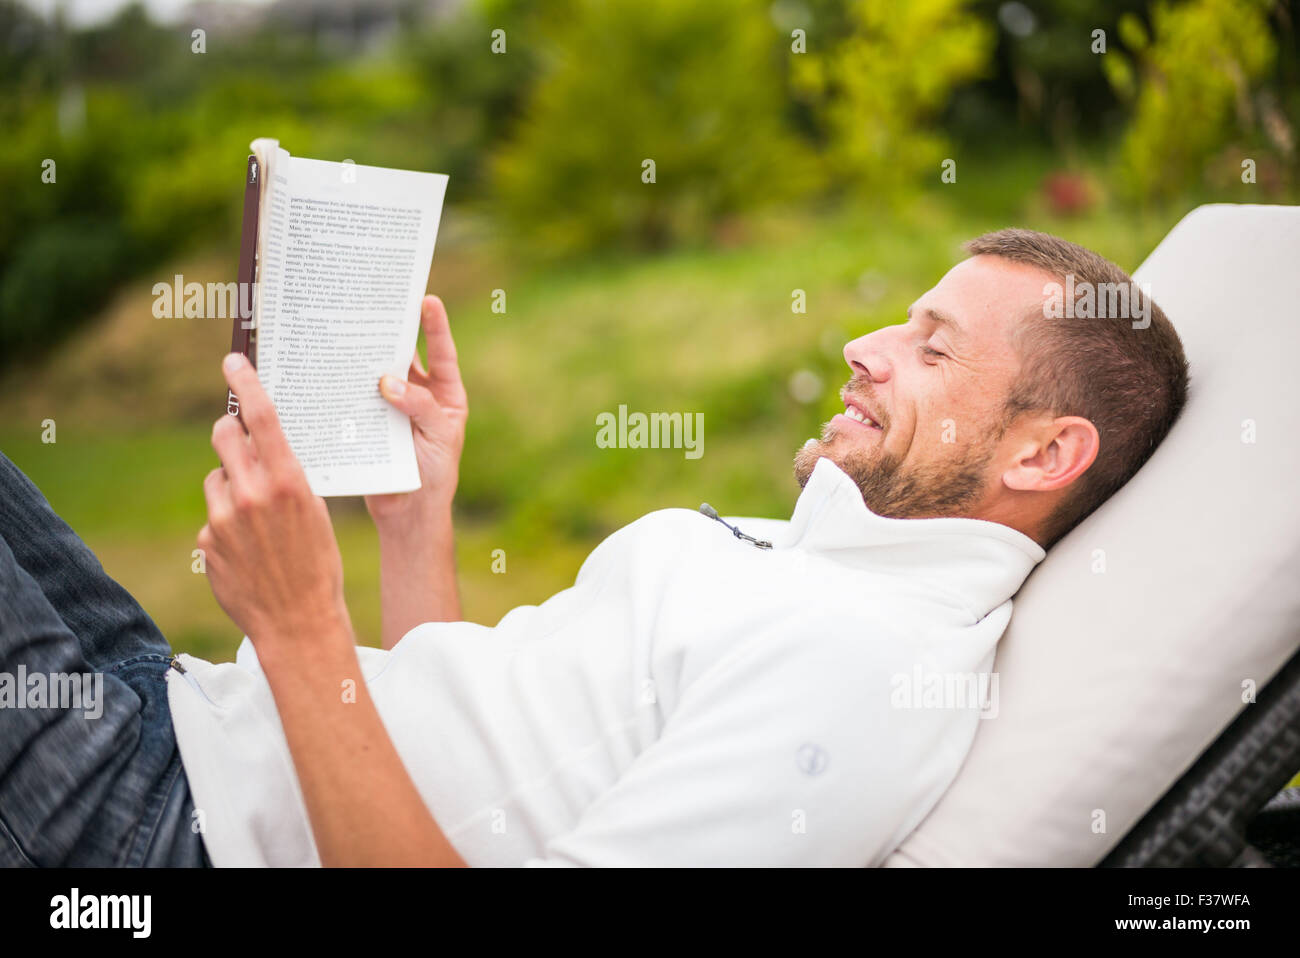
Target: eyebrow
(943,319)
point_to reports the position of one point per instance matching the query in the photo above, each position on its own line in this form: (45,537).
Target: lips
(857,414)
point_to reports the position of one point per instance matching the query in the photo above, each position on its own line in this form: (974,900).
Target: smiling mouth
(853,413)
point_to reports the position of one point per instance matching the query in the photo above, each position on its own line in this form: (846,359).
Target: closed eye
(927,351)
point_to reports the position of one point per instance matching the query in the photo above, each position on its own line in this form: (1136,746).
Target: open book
(337,257)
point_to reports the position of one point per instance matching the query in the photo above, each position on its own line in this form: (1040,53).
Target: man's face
(934,388)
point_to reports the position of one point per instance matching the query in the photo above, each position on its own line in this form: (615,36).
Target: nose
(868,356)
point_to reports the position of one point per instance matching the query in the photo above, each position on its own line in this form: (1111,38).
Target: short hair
(1131,383)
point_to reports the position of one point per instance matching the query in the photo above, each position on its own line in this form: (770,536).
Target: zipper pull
(175,663)
(712,513)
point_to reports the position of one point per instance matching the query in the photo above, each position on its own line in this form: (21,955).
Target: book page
(344,265)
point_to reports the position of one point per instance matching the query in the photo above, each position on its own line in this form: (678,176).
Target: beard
(890,488)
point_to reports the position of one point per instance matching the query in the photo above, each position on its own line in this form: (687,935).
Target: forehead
(982,300)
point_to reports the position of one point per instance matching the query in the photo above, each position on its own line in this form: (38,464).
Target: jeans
(90,775)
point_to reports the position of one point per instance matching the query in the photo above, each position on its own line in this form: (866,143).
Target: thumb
(415,401)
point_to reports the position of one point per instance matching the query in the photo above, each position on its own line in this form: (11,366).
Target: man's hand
(269,547)
(275,568)
(436,402)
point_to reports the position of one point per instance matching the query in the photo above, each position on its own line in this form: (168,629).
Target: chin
(805,460)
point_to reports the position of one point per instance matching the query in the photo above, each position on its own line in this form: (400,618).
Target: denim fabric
(80,786)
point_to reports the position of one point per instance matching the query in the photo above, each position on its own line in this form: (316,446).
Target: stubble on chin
(805,460)
(887,488)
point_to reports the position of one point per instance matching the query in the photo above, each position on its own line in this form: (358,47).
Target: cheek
(937,416)
(945,419)
(946,423)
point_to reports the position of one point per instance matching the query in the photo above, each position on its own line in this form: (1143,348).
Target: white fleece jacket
(690,700)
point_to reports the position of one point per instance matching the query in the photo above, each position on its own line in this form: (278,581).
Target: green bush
(697,88)
(1195,82)
(61,275)
(880,89)
(472,95)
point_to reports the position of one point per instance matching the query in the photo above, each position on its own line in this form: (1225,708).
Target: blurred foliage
(882,86)
(695,88)
(1046,65)
(149,139)
(545,142)
(1204,67)
(471,96)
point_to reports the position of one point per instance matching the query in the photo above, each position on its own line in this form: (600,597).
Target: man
(755,694)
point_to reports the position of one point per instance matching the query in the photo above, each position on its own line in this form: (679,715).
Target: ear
(1054,455)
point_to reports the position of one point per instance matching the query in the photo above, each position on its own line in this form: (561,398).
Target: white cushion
(1112,683)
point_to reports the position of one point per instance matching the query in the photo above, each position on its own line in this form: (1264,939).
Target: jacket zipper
(712,513)
(175,663)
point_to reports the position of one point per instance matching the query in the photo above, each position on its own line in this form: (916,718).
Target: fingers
(415,401)
(417,373)
(258,412)
(444,368)
(216,490)
(232,448)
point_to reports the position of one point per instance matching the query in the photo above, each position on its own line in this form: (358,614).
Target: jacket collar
(982,563)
